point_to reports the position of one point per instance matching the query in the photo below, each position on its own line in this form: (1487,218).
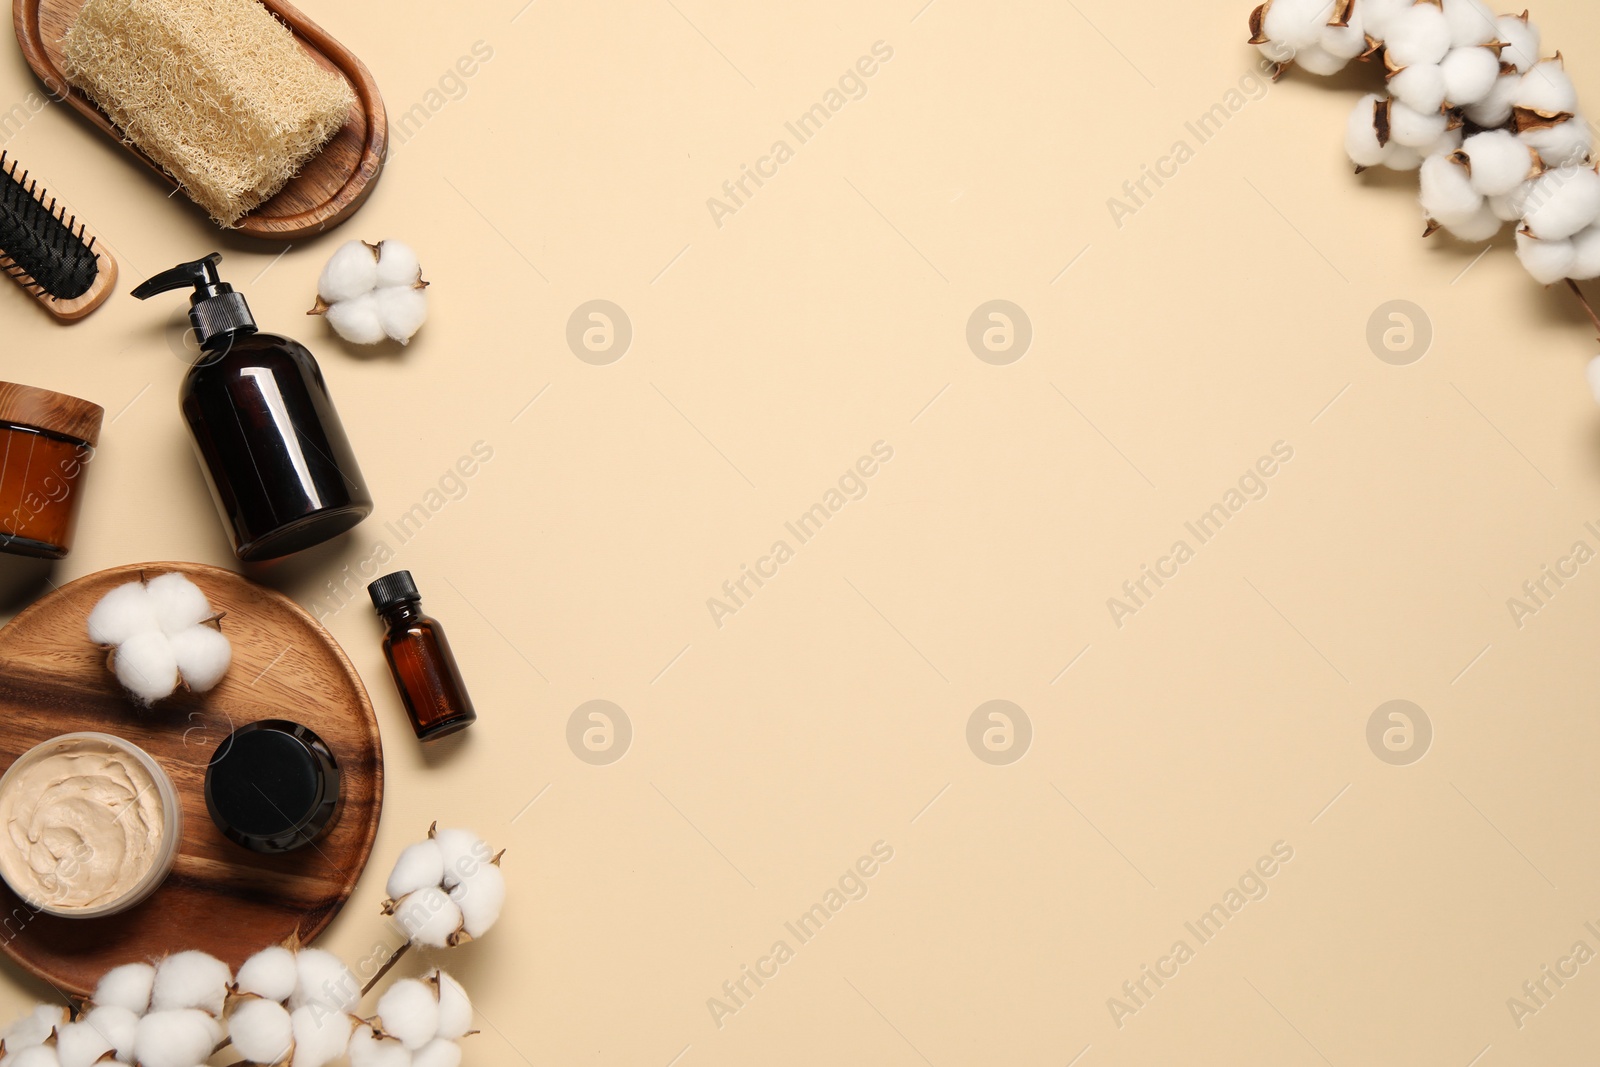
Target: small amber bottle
(419,655)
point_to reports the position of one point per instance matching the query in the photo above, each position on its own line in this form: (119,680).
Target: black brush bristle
(49,252)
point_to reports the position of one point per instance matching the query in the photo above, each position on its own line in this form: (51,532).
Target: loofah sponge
(215,91)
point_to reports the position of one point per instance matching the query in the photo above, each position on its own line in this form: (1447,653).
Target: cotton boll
(121,613)
(270,973)
(1469,75)
(429,918)
(1447,192)
(1403,157)
(480,898)
(1472,22)
(324,982)
(1495,109)
(37,1056)
(127,987)
(1348,41)
(409,1012)
(1481,225)
(1498,161)
(351,271)
(35,1027)
(1419,34)
(1521,40)
(1547,261)
(177,602)
(1319,61)
(437,1053)
(147,667)
(261,1030)
(367,1049)
(1361,133)
(82,1045)
(356,320)
(203,656)
(421,865)
(1378,15)
(1566,144)
(455,1008)
(463,852)
(182,1038)
(1297,23)
(190,980)
(1547,89)
(319,1037)
(1448,142)
(401,312)
(1562,203)
(119,1025)
(1413,128)
(1585,255)
(1421,87)
(397,265)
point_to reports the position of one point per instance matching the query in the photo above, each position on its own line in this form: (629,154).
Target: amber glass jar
(46,442)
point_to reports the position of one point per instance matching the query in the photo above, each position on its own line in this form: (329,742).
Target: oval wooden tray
(220,897)
(327,190)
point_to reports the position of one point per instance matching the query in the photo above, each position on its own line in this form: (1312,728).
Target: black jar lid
(272,786)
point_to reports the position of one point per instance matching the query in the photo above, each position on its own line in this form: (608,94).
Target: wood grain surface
(220,897)
(328,189)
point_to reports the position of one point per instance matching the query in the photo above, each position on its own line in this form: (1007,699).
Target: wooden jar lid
(53,412)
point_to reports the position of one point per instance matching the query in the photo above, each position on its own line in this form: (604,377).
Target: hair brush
(52,256)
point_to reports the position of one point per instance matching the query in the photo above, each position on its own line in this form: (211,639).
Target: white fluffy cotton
(481,898)
(1547,89)
(455,1007)
(1495,109)
(1480,225)
(190,980)
(367,1049)
(370,294)
(1413,128)
(121,613)
(147,667)
(1548,261)
(463,852)
(270,973)
(1498,161)
(409,1013)
(1521,40)
(429,917)
(437,1053)
(1585,255)
(1296,23)
(261,1030)
(178,604)
(1361,133)
(351,271)
(1419,34)
(127,987)
(421,865)
(1422,87)
(319,1037)
(35,1027)
(37,1056)
(203,657)
(181,1038)
(356,320)
(119,1025)
(1472,22)
(1566,144)
(1563,202)
(1469,75)
(82,1044)
(323,982)
(1379,15)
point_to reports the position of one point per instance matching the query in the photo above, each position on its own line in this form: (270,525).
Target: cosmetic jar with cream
(46,442)
(273,786)
(91,825)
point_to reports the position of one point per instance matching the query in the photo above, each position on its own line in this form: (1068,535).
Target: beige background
(829,313)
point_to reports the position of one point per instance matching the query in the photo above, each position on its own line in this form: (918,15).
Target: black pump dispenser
(270,442)
(215,310)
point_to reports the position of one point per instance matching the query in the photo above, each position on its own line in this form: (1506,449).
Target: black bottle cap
(215,310)
(272,786)
(393,590)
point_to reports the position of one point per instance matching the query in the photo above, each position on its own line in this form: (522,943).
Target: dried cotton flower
(447,889)
(371,293)
(161,634)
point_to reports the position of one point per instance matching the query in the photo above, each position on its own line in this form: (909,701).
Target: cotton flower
(1419,34)
(190,980)
(262,1030)
(370,293)
(162,634)
(182,1038)
(1320,36)
(1547,261)
(418,1024)
(409,1012)
(1546,91)
(293,1003)
(1562,202)
(1469,74)
(1560,143)
(447,889)
(1471,22)
(1450,201)
(1497,162)
(34,1028)
(1416,129)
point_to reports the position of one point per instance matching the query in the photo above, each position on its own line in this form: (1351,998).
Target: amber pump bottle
(420,658)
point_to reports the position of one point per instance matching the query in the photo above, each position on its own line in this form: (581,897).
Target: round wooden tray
(220,898)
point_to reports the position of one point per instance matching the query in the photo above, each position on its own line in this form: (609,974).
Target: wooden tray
(220,897)
(327,190)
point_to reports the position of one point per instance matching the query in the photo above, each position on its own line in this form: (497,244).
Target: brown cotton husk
(1526,118)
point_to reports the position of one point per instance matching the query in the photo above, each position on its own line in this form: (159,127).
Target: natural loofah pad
(215,91)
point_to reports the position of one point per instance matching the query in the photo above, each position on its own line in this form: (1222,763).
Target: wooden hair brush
(50,255)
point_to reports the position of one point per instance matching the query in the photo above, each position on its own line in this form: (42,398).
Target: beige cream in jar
(91,825)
